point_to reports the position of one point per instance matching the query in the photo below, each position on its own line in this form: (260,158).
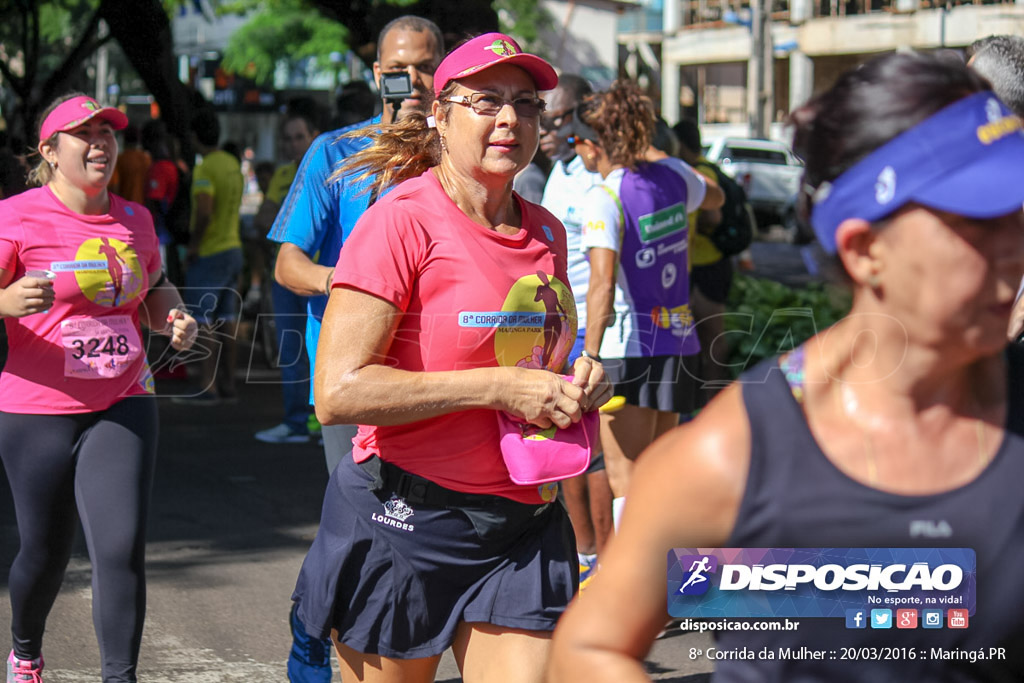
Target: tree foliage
(46,45)
(143,30)
(522,19)
(299,29)
(280,30)
(364,19)
(43,47)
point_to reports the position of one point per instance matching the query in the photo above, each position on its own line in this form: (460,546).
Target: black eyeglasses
(487,104)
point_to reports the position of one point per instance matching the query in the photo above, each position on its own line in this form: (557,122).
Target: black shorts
(396,577)
(665,383)
(713,280)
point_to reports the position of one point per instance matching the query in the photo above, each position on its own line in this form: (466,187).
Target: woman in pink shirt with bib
(80,272)
(449,319)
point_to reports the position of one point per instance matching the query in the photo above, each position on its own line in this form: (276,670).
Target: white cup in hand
(48,275)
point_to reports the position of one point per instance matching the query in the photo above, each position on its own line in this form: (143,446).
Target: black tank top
(796,497)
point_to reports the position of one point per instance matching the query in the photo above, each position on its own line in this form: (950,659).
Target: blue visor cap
(967,159)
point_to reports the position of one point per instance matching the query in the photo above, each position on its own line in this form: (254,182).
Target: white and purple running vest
(653,261)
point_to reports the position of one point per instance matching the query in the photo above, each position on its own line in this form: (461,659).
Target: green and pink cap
(76,111)
(491,49)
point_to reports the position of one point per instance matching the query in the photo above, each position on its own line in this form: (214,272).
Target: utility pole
(760,71)
(671,19)
(768,73)
(102,67)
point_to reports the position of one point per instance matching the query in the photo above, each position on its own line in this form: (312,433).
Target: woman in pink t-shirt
(79,272)
(449,306)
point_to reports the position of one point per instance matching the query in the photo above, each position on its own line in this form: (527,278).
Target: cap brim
(542,73)
(115,117)
(991,185)
(77,110)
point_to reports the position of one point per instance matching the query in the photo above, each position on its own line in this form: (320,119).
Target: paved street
(231,521)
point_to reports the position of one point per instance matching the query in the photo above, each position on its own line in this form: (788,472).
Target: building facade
(705,48)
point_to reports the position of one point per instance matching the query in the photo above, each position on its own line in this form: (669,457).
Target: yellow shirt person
(219,175)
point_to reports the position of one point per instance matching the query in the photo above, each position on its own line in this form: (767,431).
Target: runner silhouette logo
(696,580)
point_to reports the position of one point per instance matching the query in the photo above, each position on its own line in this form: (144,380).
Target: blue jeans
(211,287)
(290,322)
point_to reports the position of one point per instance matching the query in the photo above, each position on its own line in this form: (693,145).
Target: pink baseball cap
(75,112)
(484,52)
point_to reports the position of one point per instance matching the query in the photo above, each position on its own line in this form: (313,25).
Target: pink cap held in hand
(537,456)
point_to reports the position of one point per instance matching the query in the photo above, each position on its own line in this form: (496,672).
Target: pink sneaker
(24,670)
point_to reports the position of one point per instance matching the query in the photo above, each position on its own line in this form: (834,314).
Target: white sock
(617,505)
(587,560)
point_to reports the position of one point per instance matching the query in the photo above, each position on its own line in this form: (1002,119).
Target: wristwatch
(591,356)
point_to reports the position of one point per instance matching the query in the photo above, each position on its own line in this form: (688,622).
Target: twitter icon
(881,618)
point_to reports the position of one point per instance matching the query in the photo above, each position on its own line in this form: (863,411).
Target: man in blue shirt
(316,218)
(319,214)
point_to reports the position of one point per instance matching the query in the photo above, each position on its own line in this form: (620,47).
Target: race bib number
(99,348)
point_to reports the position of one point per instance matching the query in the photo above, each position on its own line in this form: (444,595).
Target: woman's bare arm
(355,382)
(685,493)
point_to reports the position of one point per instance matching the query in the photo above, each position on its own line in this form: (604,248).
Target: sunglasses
(555,120)
(486,104)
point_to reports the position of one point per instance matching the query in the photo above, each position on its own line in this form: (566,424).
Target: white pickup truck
(767,170)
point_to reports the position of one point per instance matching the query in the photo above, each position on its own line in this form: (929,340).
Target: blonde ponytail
(43,173)
(397,151)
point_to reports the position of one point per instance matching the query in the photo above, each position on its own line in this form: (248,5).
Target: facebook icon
(856,618)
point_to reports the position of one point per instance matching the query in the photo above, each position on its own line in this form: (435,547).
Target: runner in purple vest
(638,303)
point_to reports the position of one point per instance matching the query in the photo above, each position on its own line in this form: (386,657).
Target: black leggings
(101,463)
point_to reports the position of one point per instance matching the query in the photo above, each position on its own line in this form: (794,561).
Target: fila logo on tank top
(929,528)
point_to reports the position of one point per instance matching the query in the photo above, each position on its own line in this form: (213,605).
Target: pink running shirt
(102,265)
(472,298)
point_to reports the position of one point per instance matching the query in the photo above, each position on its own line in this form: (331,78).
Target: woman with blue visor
(902,426)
